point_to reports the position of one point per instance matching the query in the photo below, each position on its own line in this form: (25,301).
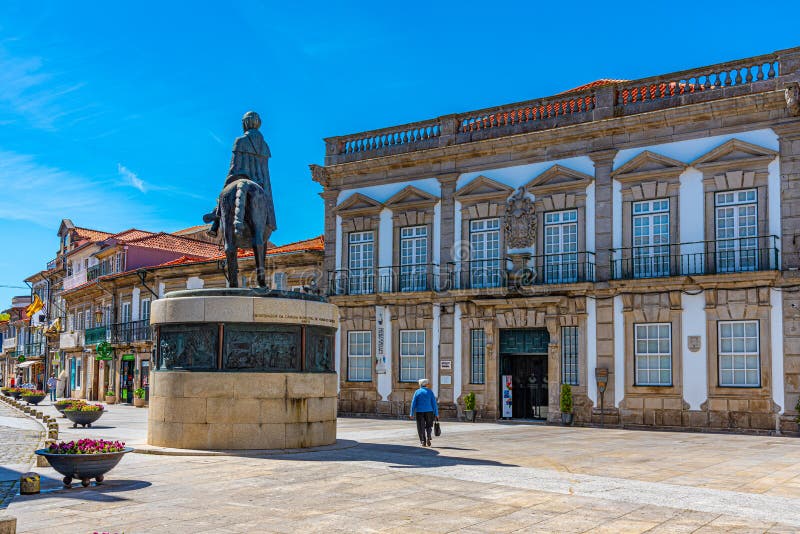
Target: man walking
(51,386)
(424,406)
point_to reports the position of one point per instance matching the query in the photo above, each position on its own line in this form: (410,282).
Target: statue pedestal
(243,369)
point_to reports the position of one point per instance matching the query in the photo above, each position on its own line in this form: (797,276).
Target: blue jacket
(424,401)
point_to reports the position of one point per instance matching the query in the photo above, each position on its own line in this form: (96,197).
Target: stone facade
(665,253)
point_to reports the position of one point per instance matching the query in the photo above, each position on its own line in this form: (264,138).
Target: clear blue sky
(122,114)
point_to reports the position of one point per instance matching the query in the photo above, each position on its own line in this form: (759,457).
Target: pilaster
(448,218)
(604,212)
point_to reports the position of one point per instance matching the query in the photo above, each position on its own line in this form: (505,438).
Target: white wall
(619,352)
(776,335)
(436,331)
(695,364)
(384,192)
(520,175)
(339,243)
(135,296)
(457,359)
(591,349)
(385,242)
(590,217)
(691,220)
(774,202)
(194,282)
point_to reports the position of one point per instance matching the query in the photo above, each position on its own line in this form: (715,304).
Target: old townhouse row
(634,239)
(94,332)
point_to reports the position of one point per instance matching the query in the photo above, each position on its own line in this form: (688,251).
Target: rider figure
(250,158)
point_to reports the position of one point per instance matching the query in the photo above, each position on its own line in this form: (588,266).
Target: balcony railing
(74,280)
(391,279)
(33,349)
(564,268)
(743,254)
(9,343)
(96,335)
(129,332)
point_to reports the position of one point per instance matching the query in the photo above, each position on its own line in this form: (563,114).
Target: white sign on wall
(380,341)
(445,380)
(446,364)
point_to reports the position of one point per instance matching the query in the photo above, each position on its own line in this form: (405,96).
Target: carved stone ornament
(319,174)
(520,225)
(694,343)
(792,94)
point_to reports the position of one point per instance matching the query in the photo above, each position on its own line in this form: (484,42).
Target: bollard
(8,524)
(29,484)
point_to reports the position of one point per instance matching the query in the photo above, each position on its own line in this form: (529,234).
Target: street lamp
(98,316)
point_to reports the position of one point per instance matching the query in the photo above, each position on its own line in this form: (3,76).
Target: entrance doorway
(126,381)
(523,357)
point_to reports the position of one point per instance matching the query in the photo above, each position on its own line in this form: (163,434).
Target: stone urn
(84,467)
(139,402)
(110,399)
(85,419)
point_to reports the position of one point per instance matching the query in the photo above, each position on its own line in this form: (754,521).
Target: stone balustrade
(758,74)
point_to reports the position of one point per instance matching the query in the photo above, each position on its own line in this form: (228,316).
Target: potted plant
(63,404)
(6,391)
(111,397)
(16,392)
(84,414)
(33,396)
(566,404)
(84,459)
(469,406)
(138,397)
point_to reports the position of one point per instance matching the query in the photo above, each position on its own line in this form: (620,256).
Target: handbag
(437,430)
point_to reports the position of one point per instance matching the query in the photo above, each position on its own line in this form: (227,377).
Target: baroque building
(642,229)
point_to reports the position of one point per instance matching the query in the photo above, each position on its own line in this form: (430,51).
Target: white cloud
(131,178)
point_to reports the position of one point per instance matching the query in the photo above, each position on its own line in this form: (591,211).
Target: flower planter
(16,394)
(139,403)
(469,415)
(111,399)
(33,399)
(566,419)
(83,467)
(83,418)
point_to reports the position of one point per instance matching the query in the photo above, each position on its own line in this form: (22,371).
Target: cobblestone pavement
(19,436)
(476,478)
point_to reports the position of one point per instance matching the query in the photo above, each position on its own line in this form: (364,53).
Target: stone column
(789,147)
(448,218)
(603,212)
(329,259)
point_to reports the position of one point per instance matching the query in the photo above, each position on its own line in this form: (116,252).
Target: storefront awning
(26,364)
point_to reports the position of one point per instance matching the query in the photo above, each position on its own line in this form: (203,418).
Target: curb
(340,444)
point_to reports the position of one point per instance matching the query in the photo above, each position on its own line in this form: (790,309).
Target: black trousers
(424,425)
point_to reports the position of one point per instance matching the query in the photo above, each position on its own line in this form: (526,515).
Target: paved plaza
(476,478)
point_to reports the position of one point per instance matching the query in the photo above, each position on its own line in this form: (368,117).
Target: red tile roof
(316,243)
(592,85)
(91,235)
(131,233)
(173,243)
(192,229)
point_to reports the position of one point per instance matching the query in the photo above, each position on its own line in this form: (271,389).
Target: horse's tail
(239,207)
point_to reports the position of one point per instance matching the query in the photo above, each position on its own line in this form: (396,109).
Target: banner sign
(508,398)
(380,341)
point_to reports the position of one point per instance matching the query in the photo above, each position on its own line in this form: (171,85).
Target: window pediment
(483,188)
(649,165)
(358,204)
(558,178)
(410,197)
(735,153)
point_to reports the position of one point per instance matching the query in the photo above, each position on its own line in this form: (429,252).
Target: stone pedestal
(243,369)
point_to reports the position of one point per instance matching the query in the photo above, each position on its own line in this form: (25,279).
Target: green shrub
(139,392)
(566,398)
(469,401)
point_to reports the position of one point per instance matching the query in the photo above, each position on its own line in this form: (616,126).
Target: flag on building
(34,306)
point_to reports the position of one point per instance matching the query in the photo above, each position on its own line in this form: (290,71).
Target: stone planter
(33,399)
(139,403)
(83,418)
(469,415)
(111,399)
(84,467)
(16,394)
(566,419)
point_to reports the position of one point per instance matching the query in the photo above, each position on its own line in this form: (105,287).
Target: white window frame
(736,359)
(413,258)
(144,309)
(484,253)
(412,363)
(359,356)
(561,246)
(125,312)
(361,262)
(650,250)
(650,354)
(737,244)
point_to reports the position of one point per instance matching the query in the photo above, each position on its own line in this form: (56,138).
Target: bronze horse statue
(243,221)
(244,211)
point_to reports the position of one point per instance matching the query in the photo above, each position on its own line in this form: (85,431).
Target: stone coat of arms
(520,224)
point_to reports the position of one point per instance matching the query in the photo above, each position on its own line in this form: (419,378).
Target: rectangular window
(650,238)
(359,356)
(279,280)
(125,312)
(653,358)
(569,355)
(478,353)
(78,372)
(412,355)
(484,247)
(561,247)
(361,262)
(737,231)
(413,258)
(739,361)
(145,310)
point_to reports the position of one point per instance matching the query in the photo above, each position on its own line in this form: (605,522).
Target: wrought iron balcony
(129,332)
(93,336)
(391,279)
(566,268)
(743,254)
(33,349)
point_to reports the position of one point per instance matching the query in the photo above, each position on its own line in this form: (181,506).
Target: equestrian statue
(244,212)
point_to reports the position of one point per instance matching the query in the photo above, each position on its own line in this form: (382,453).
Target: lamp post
(98,316)
(601,377)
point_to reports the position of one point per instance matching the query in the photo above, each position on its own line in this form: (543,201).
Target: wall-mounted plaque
(694,343)
(445,380)
(446,364)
